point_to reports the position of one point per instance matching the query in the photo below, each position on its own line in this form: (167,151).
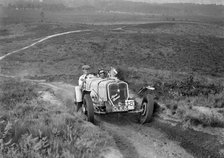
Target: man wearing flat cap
(82,81)
(86,75)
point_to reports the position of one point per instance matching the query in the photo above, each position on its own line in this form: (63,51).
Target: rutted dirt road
(142,141)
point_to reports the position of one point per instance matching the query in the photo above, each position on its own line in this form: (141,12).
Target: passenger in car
(102,74)
(112,73)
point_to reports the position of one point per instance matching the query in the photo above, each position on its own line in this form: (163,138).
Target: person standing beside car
(86,75)
(82,85)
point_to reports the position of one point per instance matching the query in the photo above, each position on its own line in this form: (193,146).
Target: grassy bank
(31,126)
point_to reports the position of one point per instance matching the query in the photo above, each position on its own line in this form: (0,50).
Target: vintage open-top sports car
(102,96)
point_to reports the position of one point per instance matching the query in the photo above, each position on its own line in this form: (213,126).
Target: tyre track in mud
(139,141)
(199,144)
(162,139)
(125,146)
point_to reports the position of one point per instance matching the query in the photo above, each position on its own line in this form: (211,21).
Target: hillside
(182,59)
(217,2)
(169,46)
(168,9)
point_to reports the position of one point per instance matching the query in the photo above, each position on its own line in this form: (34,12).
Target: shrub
(198,110)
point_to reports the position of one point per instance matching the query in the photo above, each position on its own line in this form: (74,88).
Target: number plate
(130,104)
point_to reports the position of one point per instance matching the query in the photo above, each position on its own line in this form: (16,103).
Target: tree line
(36,5)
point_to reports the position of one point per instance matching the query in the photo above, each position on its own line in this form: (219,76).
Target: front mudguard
(144,91)
(79,94)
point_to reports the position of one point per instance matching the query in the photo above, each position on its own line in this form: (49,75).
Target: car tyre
(148,107)
(88,104)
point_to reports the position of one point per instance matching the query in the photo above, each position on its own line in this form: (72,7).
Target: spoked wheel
(87,108)
(147,107)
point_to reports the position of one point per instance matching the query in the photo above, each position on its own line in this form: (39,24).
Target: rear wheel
(88,108)
(147,107)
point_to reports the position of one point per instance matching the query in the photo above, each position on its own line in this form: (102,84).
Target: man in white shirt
(86,75)
(82,81)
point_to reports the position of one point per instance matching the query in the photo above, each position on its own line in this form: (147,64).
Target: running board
(97,112)
(135,111)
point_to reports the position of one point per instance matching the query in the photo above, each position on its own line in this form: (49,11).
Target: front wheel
(88,104)
(147,107)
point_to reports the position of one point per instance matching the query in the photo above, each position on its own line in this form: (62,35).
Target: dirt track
(136,140)
(40,41)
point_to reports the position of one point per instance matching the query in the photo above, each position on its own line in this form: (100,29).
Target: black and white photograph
(111,78)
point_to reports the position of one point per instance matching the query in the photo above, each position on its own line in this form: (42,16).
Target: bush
(187,88)
(199,110)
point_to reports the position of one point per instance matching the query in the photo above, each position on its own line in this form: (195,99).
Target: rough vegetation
(194,102)
(31,126)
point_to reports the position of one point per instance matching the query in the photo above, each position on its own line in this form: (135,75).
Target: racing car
(109,95)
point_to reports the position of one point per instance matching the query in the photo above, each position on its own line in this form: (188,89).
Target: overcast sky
(184,1)
(159,1)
